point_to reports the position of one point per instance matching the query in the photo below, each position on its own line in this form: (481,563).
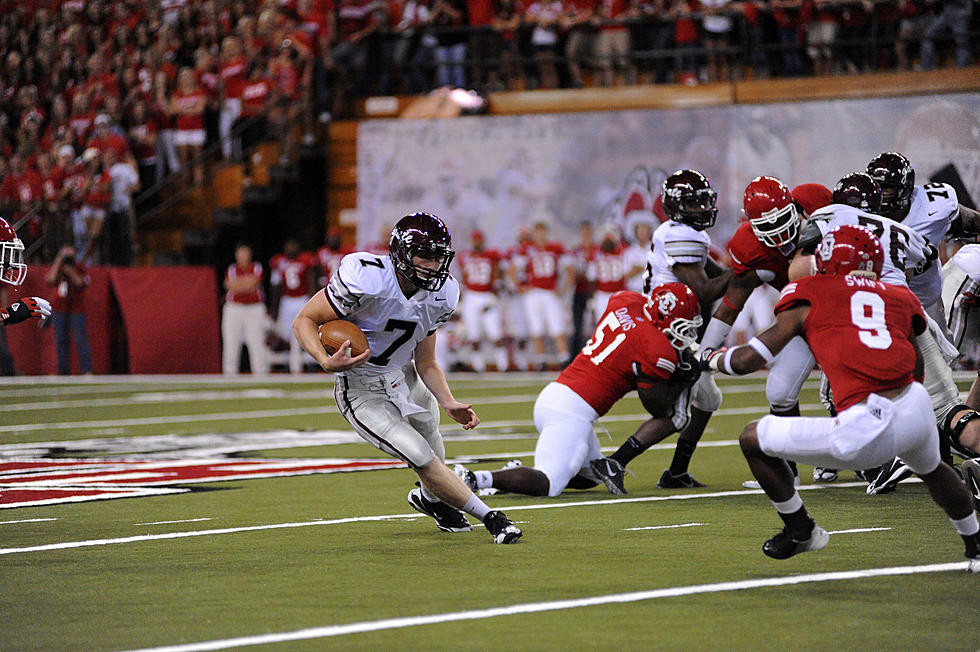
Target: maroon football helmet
(847,249)
(860,190)
(688,198)
(896,176)
(421,235)
(13,270)
(675,310)
(769,208)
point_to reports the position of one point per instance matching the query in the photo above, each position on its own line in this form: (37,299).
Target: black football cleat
(612,474)
(683,481)
(889,477)
(501,528)
(448,519)
(784,545)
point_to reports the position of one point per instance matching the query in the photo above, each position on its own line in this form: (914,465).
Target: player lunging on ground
(639,343)
(391,393)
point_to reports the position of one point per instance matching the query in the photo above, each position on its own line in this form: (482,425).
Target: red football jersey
(858,330)
(291,274)
(624,344)
(329,261)
(608,270)
(480,269)
(542,264)
(748,254)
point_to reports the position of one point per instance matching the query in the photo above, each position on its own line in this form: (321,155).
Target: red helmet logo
(675,310)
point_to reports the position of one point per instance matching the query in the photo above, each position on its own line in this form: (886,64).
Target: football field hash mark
(557,605)
(661,527)
(186,520)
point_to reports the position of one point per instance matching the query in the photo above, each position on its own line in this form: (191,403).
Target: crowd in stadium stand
(90,88)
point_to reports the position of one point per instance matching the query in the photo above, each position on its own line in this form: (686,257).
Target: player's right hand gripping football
(340,361)
(25,309)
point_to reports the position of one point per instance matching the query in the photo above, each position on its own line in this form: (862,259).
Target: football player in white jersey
(857,200)
(961,293)
(679,252)
(392,398)
(934,211)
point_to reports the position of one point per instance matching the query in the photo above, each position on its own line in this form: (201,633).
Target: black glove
(688,369)
(809,239)
(24,310)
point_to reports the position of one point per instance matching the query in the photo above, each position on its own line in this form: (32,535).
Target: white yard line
(363,519)
(860,530)
(186,520)
(28,520)
(330,631)
(331,409)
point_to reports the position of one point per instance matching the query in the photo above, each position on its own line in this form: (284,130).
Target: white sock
(792,505)
(484,479)
(967,525)
(428,495)
(476,507)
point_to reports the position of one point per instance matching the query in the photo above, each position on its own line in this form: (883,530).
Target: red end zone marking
(47,482)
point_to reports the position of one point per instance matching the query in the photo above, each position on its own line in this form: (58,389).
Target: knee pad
(952,431)
(781,398)
(705,394)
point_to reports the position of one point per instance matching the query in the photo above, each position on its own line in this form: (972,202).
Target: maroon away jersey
(858,330)
(624,344)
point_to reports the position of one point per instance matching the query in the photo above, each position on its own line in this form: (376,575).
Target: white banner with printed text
(497,174)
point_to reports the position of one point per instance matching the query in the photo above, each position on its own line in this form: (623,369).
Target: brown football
(333,333)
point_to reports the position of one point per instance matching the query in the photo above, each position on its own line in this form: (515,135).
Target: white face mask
(12,262)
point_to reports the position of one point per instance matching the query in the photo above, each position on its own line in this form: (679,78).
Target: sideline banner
(171,319)
(500,173)
(168,316)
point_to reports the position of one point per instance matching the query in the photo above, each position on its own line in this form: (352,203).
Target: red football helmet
(12,267)
(768,205)
(674,309)
(849,249)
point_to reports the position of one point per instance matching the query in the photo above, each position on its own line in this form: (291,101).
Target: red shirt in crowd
(190,121)
(255,95)
(233,75)
(21,188)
